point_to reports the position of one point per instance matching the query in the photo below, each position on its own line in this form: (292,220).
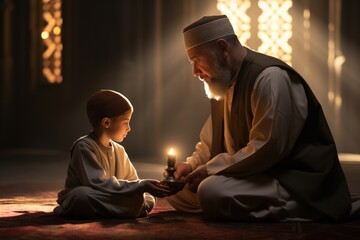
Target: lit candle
(171,158)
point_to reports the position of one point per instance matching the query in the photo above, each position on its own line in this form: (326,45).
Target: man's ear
(105,122)
(223,46)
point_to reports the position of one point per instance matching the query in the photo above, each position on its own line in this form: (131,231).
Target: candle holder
(170,180)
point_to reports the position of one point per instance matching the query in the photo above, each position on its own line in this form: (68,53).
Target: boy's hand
(155,188)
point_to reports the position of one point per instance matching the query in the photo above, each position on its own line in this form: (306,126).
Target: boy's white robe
(102,182)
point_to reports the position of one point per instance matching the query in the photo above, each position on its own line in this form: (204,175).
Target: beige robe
(255,196)
(102,182)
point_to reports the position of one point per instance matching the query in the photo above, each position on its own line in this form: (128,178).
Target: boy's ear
(105,122)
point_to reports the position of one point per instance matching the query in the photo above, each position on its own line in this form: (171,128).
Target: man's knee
(210,187)
(185,201)
(211,193)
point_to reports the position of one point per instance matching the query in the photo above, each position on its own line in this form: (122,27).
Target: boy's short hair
(106,103)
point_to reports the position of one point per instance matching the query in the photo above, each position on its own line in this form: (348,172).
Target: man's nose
(196,71)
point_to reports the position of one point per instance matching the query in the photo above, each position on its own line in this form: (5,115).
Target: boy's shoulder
(88,141)
(84,141)
(117,145)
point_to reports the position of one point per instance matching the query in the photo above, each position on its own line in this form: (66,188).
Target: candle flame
(171,151)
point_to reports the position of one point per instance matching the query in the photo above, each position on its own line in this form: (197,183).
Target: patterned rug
(30,217)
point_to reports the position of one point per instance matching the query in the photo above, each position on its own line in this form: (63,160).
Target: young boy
(101,181)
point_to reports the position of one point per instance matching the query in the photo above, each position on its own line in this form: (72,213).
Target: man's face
(210,67)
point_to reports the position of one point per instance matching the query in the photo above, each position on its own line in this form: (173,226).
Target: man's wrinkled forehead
(195,53)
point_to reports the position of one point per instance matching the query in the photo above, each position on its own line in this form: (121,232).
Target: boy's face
(119,127)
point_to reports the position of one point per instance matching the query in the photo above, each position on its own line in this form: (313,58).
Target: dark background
(136,47)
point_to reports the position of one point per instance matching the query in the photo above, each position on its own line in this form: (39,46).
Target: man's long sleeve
(279,108)
(201,155)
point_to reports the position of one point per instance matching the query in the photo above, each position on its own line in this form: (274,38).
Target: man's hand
(155,188)
(196,177)
(182,170)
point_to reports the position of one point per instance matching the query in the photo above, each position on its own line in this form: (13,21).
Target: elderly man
(266,152)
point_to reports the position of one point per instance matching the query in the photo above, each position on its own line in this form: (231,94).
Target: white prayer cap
(207,29)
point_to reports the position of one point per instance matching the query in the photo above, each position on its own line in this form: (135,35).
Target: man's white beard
(212,94)
(217,89)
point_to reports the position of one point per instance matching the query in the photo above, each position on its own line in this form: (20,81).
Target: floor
(29,181)
(38,171)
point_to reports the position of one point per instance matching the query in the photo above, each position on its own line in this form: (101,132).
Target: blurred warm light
(307,25)
(306,15)
(274,25)
(57,30)
(339,61)
(171,151)
(44,35)
(236,12)
(274,28)
(331,96)
(49,52)
(349,157)
(51,36)
(338,101)
(335,60)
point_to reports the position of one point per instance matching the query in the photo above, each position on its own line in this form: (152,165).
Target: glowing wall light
(335,57)
(274,24)
(275,28)
(51,35)
(236,12)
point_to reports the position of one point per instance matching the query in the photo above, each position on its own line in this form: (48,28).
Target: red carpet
(26,217)
(28,187)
